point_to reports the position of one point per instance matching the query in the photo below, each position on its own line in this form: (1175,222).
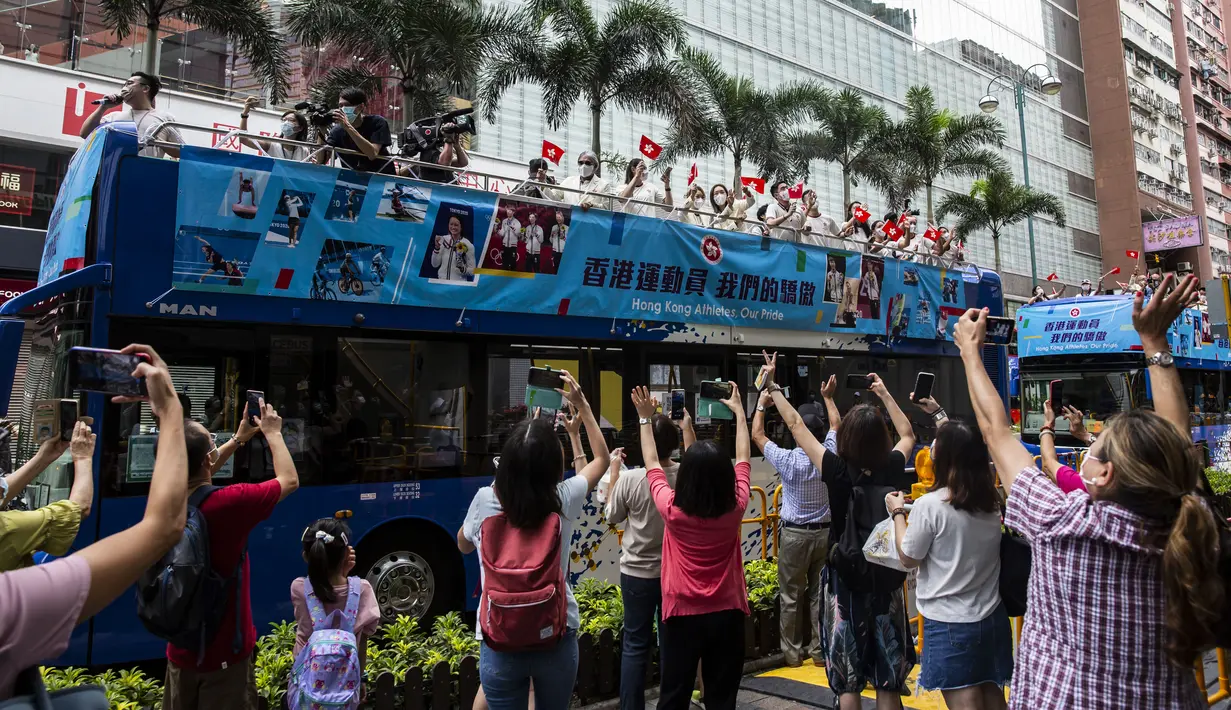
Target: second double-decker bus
(393,322)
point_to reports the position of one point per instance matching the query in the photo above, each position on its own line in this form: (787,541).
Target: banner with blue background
(256,225)
(64,246)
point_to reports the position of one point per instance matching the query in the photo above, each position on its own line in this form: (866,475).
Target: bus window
(665,377)
(1207,397)
(507,370)
(1098,394)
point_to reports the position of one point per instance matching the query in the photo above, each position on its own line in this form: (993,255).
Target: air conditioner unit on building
(1184,267)
(1139,71)
(1175,149)
(1152,133)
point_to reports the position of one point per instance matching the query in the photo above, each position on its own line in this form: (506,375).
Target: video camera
(431,132)
(906,210)
(318,115)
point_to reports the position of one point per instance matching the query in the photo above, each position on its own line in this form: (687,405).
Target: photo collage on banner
(524,238)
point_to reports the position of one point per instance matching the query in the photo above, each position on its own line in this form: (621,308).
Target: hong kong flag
(552,152)
(892,230)
(796,191)
(861,214)
(1114,270)
(692,174)
(1132,254)
(931,234)
(1052,276)
(650,149)
(755,183)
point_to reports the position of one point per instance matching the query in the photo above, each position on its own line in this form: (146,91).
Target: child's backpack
(326,672)
(524,605)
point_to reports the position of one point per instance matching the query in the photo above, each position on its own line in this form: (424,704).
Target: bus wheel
(413,570)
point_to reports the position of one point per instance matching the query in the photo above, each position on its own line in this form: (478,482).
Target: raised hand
(927,404)
(770,367)
(830,388)
(877,386)
(160,390)
(570,420)
(1049,414)
(1077,425)
(735,402)
(1154,318)
(971,330)
(271,423)
(83,442)
(574,395)
(643,402)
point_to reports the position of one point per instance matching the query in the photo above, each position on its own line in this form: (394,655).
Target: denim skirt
(961,655)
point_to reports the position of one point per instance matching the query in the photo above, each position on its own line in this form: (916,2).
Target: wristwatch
(1161,358)
(760,407)
(643,421)
(939,414)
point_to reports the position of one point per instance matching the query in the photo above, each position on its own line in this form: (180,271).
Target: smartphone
(715,390)
(105,371)
(541,386)
(923,385)
(999,330)
(254,405)
(68,418)
(858,382)
(677,404)
(1055,394)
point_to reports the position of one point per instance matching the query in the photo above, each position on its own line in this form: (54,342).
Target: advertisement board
(1176,233)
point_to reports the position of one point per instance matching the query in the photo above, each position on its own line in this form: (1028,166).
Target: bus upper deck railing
(798,236)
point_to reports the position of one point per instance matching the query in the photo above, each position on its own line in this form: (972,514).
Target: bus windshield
(1099,395)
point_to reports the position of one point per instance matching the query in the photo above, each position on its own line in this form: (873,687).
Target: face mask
(350,112)
(288,129)
(782,196)
(720,199)
(698,202)
(587,170)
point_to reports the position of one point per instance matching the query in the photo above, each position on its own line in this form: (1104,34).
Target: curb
(753,666)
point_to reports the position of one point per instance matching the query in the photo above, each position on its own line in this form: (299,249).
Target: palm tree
(852,134)
(623,61)
(431,47)
(939,143)
(997,202)
(733,115)
(248,23)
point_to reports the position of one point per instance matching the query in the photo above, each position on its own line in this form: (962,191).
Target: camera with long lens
(906,210)
(318,115)
(428,133)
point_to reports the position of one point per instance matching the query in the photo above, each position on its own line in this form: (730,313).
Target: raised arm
(616,511)
(82,492)
(1077,427)
(1008,453)
(644,404)
(250,103)
(17,481)
(572,424)
(593,470)
(116,562)
(1047,441)
(1152,321)
(901,423)
(758,419)
(688,434)
(243,435)
(743,447)
(828,390)
(284,465)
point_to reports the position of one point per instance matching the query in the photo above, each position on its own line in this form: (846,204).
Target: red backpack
(524,605)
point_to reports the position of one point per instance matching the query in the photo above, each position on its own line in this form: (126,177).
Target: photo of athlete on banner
(525,237)
(348,194)
(215,257)
(873,275)
(244,193)
(450,255)
(848,309)
(294,208)
(353,270)
(835,278)
(404,202)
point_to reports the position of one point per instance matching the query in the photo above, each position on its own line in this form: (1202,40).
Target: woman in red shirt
(704,598)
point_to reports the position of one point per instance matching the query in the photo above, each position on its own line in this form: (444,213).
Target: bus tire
(414,568)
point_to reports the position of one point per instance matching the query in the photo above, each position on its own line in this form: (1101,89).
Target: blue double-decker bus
(1090,344)
(392,325)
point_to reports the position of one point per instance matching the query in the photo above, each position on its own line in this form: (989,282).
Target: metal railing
(798,236)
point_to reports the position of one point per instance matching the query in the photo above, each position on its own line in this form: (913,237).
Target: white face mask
(587,170)
(783,196)
(288,129)
(720,199)
(698,202)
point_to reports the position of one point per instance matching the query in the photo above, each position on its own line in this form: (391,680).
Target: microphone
(103,100)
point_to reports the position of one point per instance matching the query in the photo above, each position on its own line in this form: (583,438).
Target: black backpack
(29,693)
(865,509)
(181,599)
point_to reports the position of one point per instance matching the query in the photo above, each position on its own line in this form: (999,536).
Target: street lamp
(989,103)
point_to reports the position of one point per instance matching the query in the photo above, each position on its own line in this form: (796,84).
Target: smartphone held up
(105,371)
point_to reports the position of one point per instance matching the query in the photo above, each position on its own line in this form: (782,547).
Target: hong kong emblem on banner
(711,249)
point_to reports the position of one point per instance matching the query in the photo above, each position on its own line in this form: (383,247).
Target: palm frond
(254,29)
(321,21)
(659,86)
(122,15)
(974,162)
(641,29)
(326,89)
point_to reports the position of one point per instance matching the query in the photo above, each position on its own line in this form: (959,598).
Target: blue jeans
(506,676)
(642,607)
(961,655)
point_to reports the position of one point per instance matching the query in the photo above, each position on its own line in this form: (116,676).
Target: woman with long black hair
(527,491)
(704,598)
(954,540)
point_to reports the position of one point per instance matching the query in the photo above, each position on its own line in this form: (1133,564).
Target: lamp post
(1050,86)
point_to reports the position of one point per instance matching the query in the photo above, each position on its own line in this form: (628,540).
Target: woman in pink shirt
(704,599)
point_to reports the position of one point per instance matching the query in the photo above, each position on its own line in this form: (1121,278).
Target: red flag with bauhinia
(1115,270)
(755,183)
(861,214)
(931,234)
(552,152)
(650,149)
(1052,276)
(1132,254)
(692,174)
(796,191)
(892,230)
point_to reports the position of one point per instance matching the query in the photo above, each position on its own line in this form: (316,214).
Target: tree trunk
(930,212)
(739,171)
(150,52)
(846,188)
(407,107)
(996,247)
(596,136)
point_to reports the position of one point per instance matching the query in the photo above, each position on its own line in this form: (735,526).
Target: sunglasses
(585,162)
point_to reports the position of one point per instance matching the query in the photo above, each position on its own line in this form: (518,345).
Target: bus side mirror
(10,348)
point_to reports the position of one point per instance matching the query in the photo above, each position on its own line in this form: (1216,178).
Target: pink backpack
(524,605)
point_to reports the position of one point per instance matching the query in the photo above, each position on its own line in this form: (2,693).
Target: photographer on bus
(356,130)
(447,151)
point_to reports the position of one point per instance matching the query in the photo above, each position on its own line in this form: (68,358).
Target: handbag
(882,546)
(1014,571)
(31,694)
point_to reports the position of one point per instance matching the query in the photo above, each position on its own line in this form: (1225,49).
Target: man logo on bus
(711,249)
(1074,312)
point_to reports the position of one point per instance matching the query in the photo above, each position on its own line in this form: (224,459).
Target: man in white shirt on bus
(138,96)
(534,243)
(784,218)
(510,233)
(584,188)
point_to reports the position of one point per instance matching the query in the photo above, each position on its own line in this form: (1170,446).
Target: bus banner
(64,247)
(256,225)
